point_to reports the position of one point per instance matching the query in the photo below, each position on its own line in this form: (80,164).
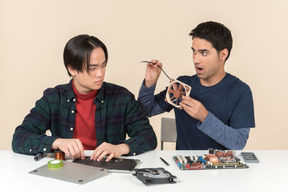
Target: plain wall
(33,34)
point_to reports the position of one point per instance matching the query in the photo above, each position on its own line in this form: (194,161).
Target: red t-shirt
(85,119)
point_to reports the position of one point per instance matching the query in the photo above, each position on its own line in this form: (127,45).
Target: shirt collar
(100,96)
(70,92)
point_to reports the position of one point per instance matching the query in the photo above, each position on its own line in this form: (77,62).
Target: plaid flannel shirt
(117,114)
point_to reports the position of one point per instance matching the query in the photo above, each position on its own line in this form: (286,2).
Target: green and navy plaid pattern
(117,114)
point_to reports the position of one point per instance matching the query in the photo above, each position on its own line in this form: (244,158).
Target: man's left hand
(112,151)
(194,108)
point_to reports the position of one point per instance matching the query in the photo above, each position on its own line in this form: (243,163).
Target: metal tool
(157,66)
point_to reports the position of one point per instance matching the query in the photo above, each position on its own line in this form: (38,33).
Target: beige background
(33,34)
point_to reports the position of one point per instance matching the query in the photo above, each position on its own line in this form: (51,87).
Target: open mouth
(199,70)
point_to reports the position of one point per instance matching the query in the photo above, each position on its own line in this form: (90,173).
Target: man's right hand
(71,147)
(152,73)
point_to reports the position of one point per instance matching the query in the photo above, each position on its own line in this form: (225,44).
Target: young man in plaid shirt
(87,113)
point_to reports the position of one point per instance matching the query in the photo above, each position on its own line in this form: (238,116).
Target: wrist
(55,144)
(203,116)
(149,83)
(125,149)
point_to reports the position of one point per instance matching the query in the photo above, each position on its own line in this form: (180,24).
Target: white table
(270,174)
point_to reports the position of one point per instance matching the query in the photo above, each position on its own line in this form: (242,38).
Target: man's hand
(114,151)
(71,147)
(194,108)
(152,73)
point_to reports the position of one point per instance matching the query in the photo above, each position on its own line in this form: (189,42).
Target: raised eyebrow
(204,50)
(201,50)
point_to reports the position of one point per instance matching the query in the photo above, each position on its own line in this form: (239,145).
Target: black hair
(78,50)
(216,33)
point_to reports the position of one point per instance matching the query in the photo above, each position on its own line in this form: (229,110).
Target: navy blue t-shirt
(230,101)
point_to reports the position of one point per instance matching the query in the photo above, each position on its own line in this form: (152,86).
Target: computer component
(215,159)
(154,176)
(249,157)
(113,164)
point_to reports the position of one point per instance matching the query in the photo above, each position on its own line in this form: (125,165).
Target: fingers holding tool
(152,73)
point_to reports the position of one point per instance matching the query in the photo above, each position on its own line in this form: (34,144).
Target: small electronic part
(210,151)
(215,159)
(154,176)
(184,160)
(179,159)
(178,162)
(202,160)
(212,158)
(58,154)
(249,157)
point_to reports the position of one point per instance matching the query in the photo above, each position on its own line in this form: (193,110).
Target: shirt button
(44,149)
(74,99)
(72,111)
(102,101)
(134,153)
(71,129)
(68,100)
(30,150)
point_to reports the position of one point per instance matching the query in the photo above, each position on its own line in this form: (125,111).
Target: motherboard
(215,159)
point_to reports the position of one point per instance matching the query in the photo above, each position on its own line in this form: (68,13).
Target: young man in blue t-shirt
(219,111)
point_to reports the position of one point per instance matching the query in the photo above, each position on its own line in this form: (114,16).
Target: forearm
(144,141)
(30,137)
(147,101)
(26,142)
(142,138)
(225,135)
